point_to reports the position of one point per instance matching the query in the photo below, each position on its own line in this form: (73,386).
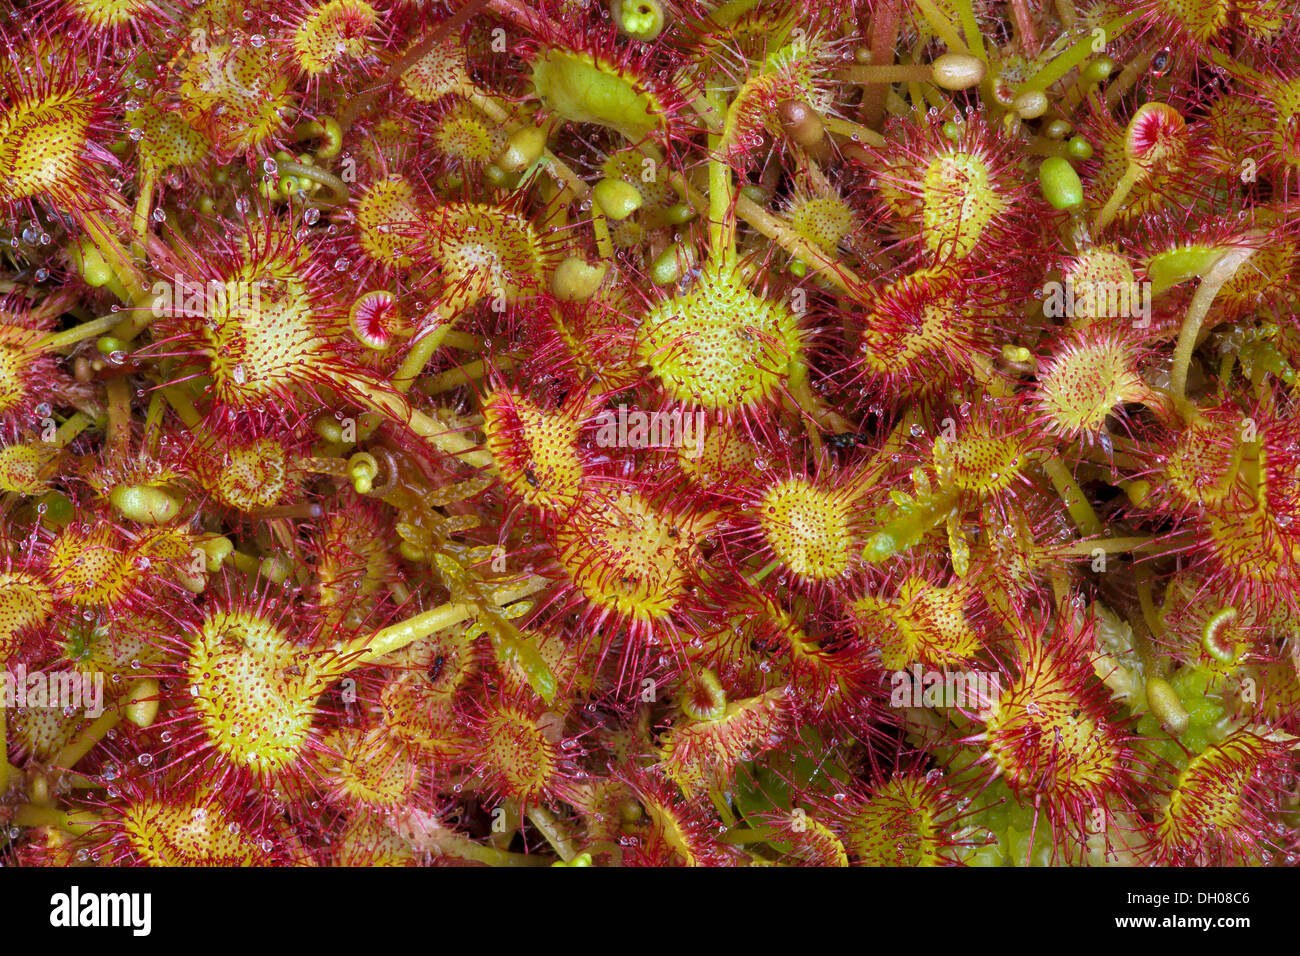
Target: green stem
(722,222)
(1224,268)
(1076,54)
(394,406)
(85,741)
(30,815)
(453,844)
(422,351)
(153,422)
(143,201)
(357,106)
(79,333)
(1110,545)
(119,260)
(5,767)
(916,73)
(337,187)
(1132,176)
(863,134)
(466,374)
(550,828)
(941,25)
(404,633)
(1076,503)
(970,28)
(73,427)
(119,415)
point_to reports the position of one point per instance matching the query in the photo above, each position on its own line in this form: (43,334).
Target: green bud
(217,548)
(275,569)
(678,214)
(142,705)
(94,269)
(1030,104)
(524,147)
(577,281)
(1099,70)
(617,199)
(1057,129)
(639,19)
(143,503)
(1079,148)
(58,508)
(1165,705)
(670,264)
(958,71)
(1060,183)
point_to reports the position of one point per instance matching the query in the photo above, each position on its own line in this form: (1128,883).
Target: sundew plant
(649,432)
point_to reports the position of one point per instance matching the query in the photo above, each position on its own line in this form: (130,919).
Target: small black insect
(843,440)
(435,669)
(531,477)
(1160,62)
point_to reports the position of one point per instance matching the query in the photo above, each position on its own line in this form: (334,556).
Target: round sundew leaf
(808,528)
(21,468)
(261,335)
(462,134)
(898,825)
(980,461)
(440,72)
(958,202)
(585,89)
(196,832)
(699,755)
(1210,797)
(1202,19)
(42,145)
(535,451)
(367,841)
(369,769)
(386,221)
(332,32)
(924,624)
(516,754)
(626,555)
(90,567)
(719,345)
(824,221)
(25,602)
(17,347)
(251,475)
(1085,381)
(485,251)
(1047,735)
(254,692)
(236,95)
(105,14)
(169,141)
